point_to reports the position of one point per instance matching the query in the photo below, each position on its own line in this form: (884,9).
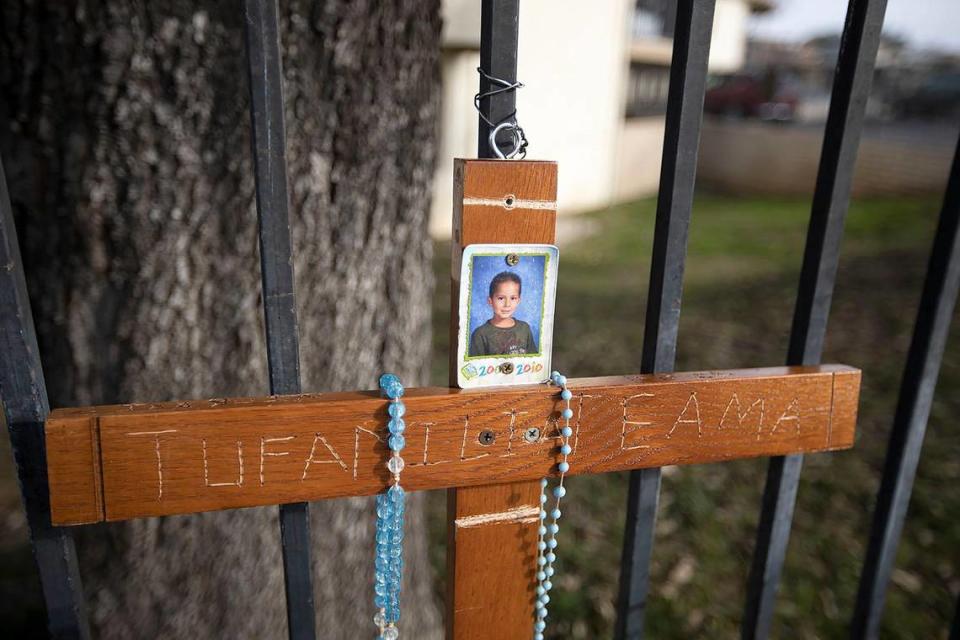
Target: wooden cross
(489,446)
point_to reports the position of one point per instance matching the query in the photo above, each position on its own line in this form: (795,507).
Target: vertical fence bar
(499,38)
(955,627)
(24,397)
(851,87)
(276,271)
(920,374)
(688,74)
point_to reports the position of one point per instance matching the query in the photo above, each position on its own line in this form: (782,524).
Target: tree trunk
(126,138)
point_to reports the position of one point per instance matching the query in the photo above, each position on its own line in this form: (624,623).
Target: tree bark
(126,139)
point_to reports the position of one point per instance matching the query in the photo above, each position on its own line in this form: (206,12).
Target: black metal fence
(25,402)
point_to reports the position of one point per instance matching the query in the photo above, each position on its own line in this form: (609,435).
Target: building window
(647,90)
(654,19)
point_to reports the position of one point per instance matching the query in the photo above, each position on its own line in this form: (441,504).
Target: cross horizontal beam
(129,461)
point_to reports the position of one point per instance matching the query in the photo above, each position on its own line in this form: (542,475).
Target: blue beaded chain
(547,534)
(390,508)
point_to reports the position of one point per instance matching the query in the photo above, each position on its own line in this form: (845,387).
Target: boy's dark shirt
(488,340)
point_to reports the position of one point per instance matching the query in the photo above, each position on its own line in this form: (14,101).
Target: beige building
(596,79)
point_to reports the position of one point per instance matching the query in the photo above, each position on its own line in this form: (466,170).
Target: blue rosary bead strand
(390,511)
(547,533)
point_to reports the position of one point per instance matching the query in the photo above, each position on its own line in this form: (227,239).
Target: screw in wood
(513,259)
(487,437)
(532,434)
(507,368)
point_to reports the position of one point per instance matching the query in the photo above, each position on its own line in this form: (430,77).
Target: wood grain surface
(174,458)
(495,201)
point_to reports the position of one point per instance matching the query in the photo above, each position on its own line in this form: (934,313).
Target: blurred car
(938,96)
(751,96)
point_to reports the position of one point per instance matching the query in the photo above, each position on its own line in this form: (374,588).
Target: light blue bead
(559,491)
(394,391)
(390,384)
(388,379)
(549,572)
(563,467)
(566,414)
(554,375)
(565,449)
(554,528)
(541,575)
(539,605)
(397,426)
(396,442)
(396,493)
(543,514)
(566,394)
(545,599)
(541,545)
(561,381)
(555,514)
(541,591)
(540,626)
(541,561)
(538,636)
(552,543)
(543,483)
(551,557)
(542,530)
(567,432)
(543,498)
(396,409)
(547,585)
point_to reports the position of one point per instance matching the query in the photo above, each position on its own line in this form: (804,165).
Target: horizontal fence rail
(24,397)
(924,358)
(851,86)
(276,269)
(688,74)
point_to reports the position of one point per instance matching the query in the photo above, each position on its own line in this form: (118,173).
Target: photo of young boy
(503,334)
(506,307)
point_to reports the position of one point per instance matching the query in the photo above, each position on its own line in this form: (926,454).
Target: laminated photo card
(507,294)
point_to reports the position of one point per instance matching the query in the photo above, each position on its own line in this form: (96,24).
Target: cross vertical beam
(466,550)
(491,567)
(851,86)
(24,397)
(688,75)
(262,38)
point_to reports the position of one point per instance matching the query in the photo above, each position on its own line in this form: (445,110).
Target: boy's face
(505,300)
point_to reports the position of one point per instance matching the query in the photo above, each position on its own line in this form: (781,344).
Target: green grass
(741,278)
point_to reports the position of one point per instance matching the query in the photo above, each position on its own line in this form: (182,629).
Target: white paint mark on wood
(516,203)
(790,414)
(311,460)
(206,468)
(692,400)
(273,454)
(356,446)
(156,441)
(516,515)
(636,423)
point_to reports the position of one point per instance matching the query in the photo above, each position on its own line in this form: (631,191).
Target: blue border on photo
(530,269)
